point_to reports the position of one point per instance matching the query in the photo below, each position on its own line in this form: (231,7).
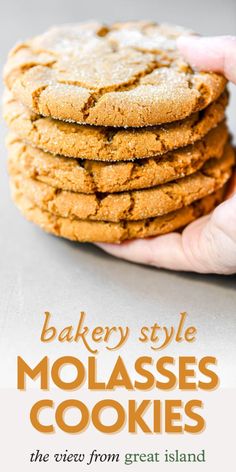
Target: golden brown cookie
(127,74)
(109,144)
(134,205)
(86,176)
(107,232)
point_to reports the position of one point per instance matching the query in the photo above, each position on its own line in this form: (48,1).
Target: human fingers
(215,54)
(208,245)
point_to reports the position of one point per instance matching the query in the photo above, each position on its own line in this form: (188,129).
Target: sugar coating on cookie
(126,74)
(106,143)
(133,205)
(85,176)
(99,231)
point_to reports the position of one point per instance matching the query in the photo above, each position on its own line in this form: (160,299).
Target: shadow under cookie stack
(112,135)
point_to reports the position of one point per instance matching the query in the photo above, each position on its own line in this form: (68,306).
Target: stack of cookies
(113,136)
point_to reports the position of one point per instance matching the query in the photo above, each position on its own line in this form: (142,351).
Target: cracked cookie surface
(126,74)
(134,205)
(93,231)
(86,176)
(105,143)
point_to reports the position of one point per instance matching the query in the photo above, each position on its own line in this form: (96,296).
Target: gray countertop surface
(39,272)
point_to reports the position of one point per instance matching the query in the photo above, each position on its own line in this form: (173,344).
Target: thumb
(210,242)
(214,54)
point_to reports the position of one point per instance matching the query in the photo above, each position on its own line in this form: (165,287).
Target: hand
(208,245)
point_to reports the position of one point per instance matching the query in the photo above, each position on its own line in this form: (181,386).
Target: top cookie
(127,74)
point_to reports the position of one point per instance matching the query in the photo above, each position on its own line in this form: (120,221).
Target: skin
(207,245)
